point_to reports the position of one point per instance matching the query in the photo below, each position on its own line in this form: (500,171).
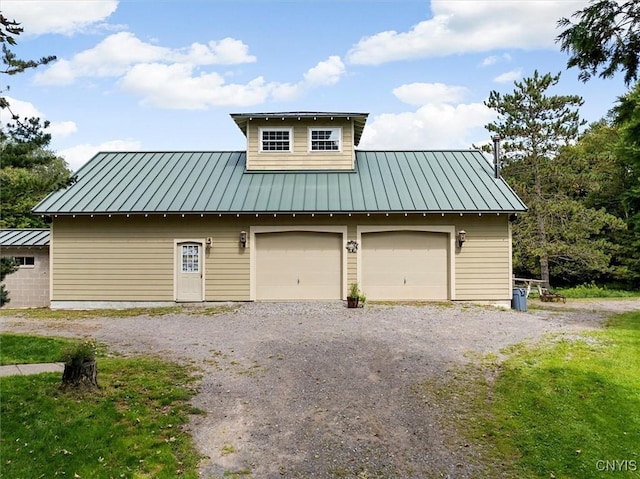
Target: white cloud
(180,86)
(493,59)
(119,52)
(66,17)
(433,126)
(175,79)
(326,72)
(227,51)
(440,122)
(26,109)
(467,26)
(61,129)
(423,93)
(78,155)
(508,77)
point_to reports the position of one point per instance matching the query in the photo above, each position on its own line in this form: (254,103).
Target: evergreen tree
(7,266)
(559,232)
(605,38)
(28,169)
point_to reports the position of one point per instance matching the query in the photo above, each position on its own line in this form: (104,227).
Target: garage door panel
(298,266)
(405,265)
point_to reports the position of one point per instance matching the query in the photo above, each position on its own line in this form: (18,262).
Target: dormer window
(325,139)
(276,139)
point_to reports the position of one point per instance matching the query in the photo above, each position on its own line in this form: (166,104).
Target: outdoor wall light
(462,237)
(243,239)
(209,241)
(352,246)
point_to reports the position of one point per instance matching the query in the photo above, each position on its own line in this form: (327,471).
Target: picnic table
(527,284)
(545,294)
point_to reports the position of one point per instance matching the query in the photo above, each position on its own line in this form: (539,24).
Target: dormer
(301,140)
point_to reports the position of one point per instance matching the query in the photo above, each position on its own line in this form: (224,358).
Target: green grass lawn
(133,427)
(592,290)
(565,408)
(21,349)
(72,314)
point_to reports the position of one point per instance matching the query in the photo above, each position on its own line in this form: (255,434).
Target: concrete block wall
(29,286)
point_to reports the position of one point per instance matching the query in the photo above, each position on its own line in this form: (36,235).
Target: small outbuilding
(29,286)
(299,215)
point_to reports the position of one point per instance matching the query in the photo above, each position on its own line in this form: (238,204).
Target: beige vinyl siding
(483,264)
(132,259)
(300,158)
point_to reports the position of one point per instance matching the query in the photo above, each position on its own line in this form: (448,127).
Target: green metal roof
(24,237)
(217,182)
(359,119)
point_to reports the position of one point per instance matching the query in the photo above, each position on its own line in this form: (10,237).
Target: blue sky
(164,75)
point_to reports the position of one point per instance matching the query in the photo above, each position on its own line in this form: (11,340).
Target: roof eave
(283,212)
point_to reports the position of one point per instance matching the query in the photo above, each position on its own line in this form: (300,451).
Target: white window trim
(262,129)
(318,128)
(26,266)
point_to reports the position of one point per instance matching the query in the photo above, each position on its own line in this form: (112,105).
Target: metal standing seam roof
(217,182)
(24,237)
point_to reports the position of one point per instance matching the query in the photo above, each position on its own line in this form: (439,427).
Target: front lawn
(133,427)
(21,349)
(566,408)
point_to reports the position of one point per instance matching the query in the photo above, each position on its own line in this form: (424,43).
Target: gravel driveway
(316,390)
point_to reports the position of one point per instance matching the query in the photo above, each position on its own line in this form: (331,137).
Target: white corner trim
(253,230)
(447,229)
(510,240)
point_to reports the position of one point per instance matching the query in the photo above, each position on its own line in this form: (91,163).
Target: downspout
(496,155)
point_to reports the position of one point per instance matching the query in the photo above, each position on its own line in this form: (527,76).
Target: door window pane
(190,258)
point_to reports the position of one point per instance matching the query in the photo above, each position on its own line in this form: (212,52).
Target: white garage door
(405,265)
(298,265)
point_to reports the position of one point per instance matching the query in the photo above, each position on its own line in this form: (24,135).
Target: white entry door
(189,272)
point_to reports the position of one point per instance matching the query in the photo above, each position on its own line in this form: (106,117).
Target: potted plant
(362,298)
(354,296)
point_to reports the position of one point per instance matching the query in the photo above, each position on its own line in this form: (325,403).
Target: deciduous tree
(626,116)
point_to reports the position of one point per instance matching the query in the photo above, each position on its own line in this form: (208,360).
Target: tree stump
(80,373)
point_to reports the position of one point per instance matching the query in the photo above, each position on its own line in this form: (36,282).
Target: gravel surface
(316,390)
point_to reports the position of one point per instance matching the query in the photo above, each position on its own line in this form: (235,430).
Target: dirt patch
(315,390)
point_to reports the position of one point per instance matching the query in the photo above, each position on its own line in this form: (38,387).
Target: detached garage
(300,215)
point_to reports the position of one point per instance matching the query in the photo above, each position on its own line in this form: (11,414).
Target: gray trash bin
(519,299)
